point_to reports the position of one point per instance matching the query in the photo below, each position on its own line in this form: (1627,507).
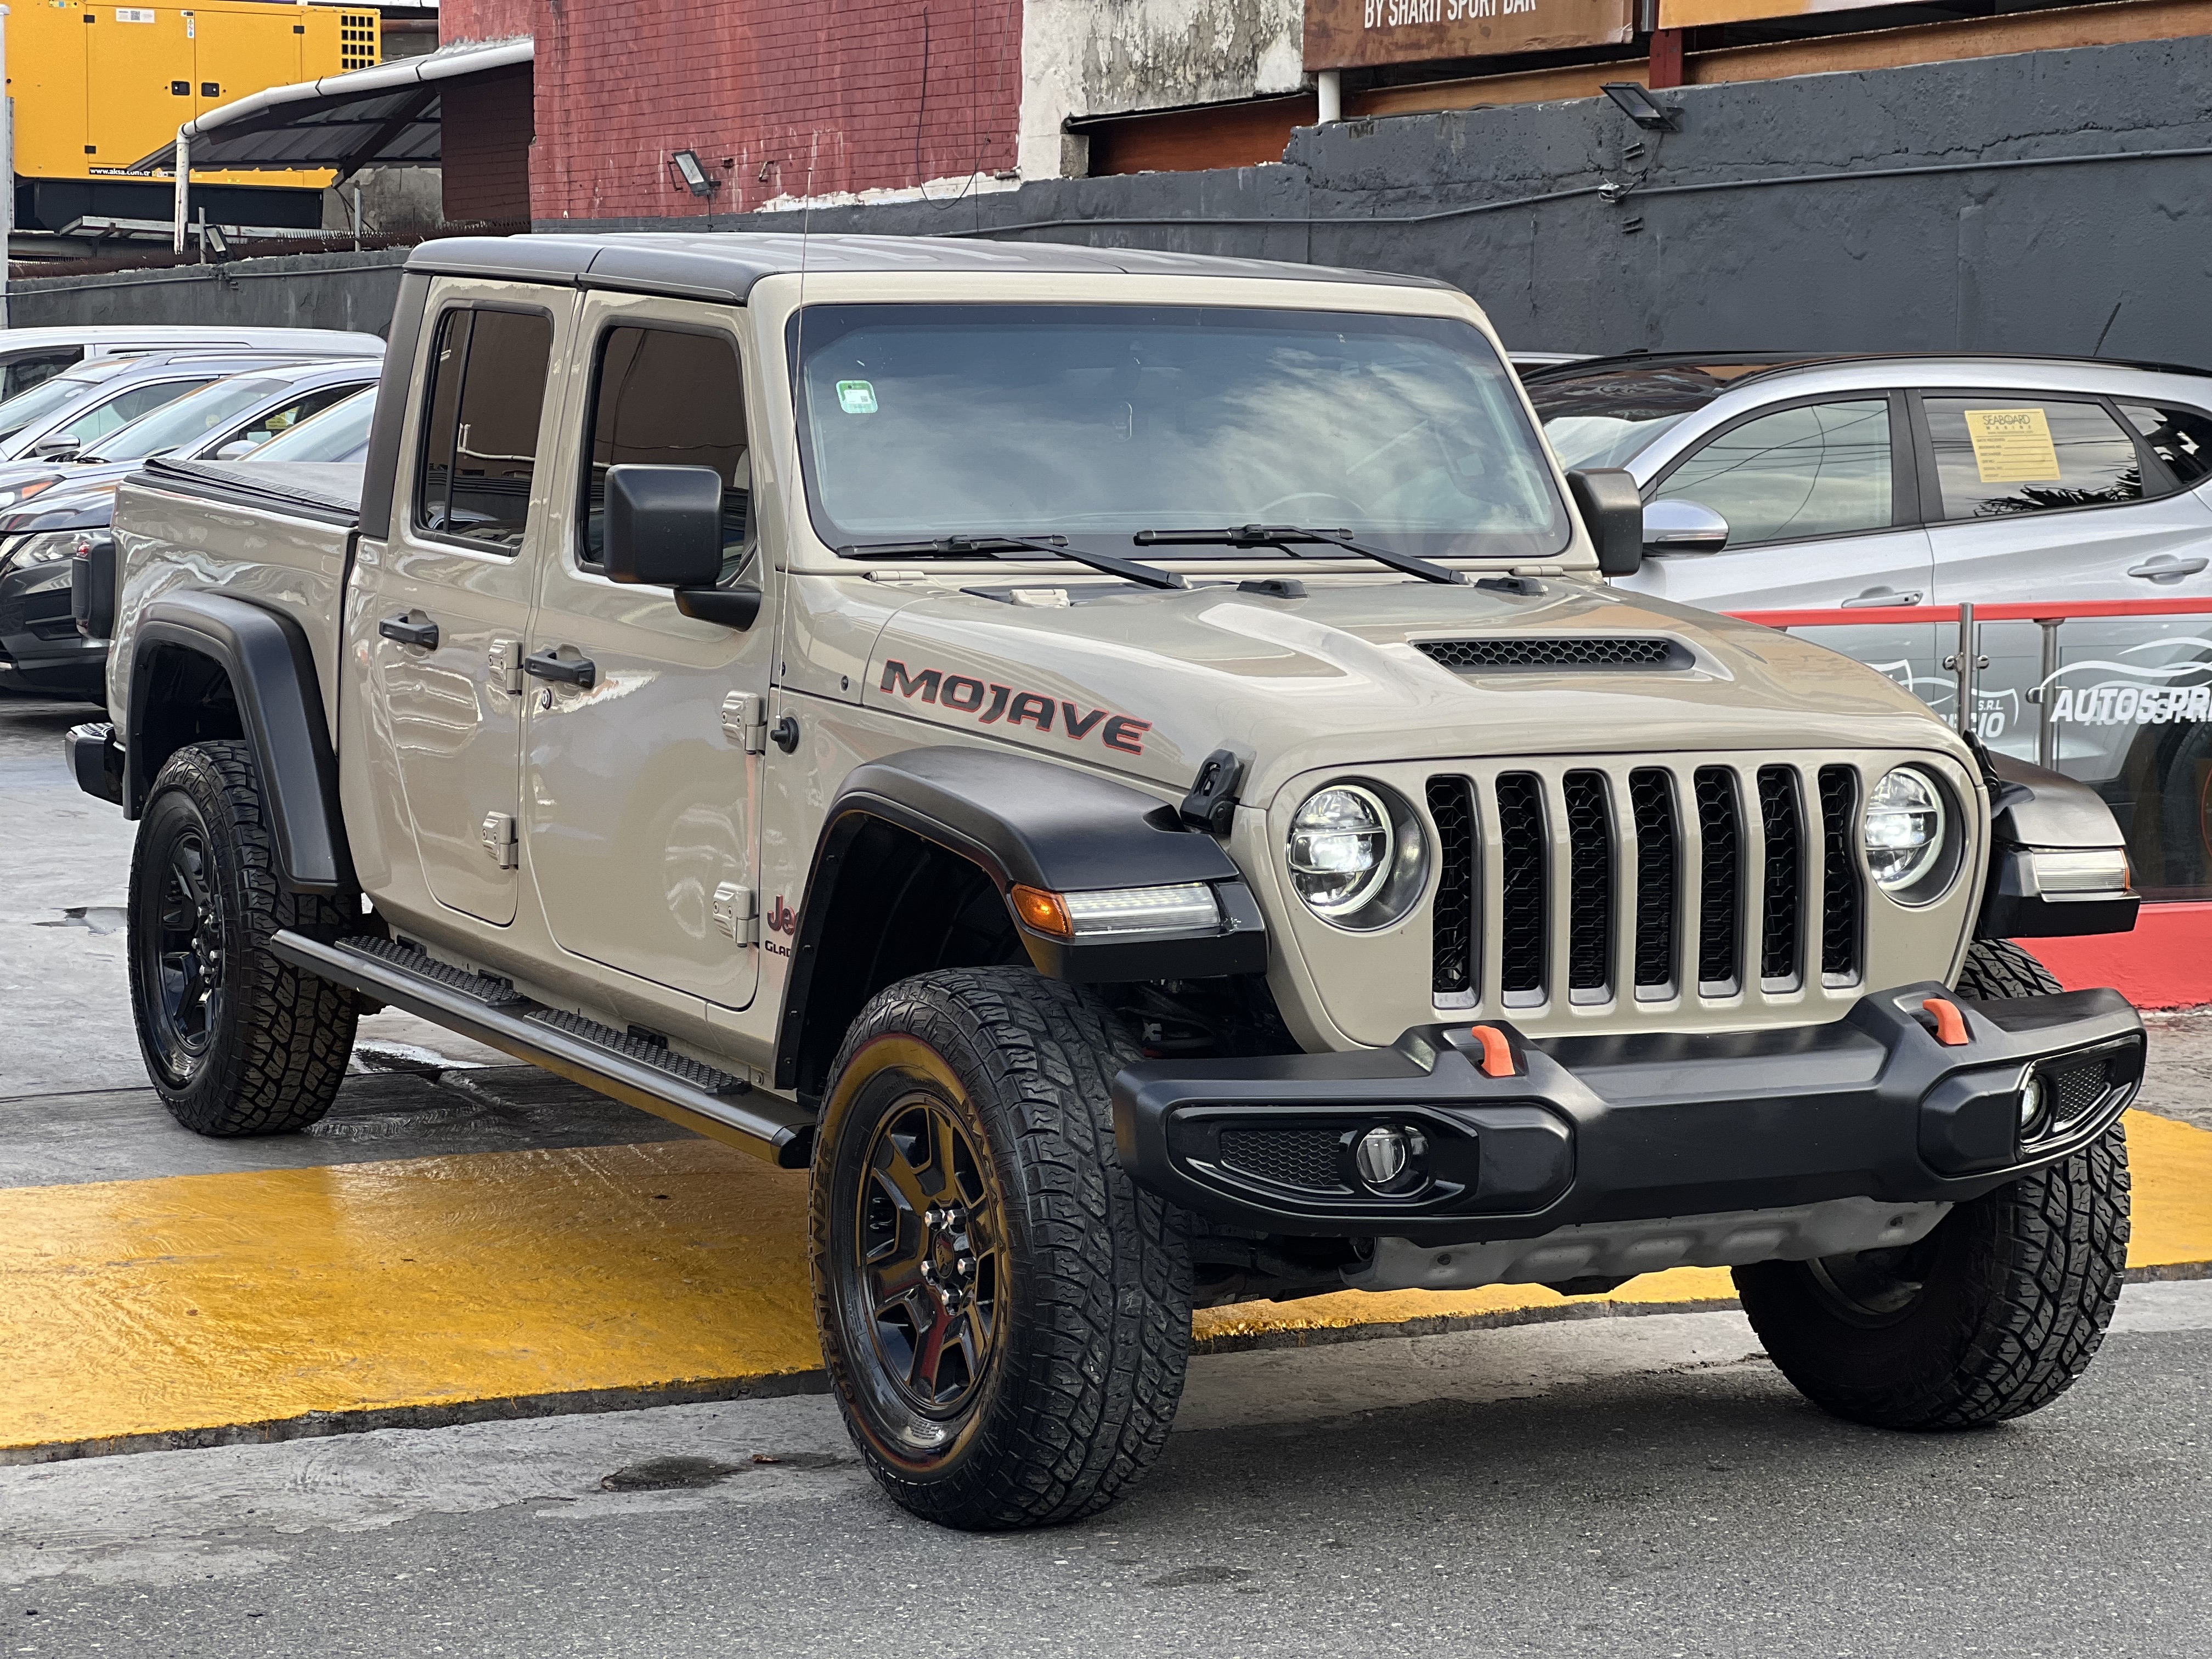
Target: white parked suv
(1851,482)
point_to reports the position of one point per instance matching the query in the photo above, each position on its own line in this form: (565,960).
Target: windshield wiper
(1288,536)
(1005,546)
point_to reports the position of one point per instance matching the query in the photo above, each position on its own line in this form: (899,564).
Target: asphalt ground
(467,1239)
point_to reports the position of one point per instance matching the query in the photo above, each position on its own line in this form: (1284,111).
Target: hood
(66,507)
(1150,682)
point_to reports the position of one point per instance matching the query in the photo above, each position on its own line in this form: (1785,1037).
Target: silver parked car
(1909,480)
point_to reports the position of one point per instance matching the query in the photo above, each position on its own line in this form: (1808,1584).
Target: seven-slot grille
(1732,877)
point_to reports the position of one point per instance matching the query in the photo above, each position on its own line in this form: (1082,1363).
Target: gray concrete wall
(299,290)
(1975,255)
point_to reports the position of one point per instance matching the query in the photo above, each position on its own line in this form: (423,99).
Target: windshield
(340,433)
(180,424)
(43,399)
(1098,421)
(1608,417)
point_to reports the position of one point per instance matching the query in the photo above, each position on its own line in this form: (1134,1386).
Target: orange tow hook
(1496,1052)
(1950,1022)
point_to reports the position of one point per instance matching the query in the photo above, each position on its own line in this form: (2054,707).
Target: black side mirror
(1612,511)
(663,525)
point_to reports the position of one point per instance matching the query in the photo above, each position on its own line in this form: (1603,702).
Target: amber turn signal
(1047,913)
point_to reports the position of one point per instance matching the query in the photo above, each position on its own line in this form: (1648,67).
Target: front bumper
(1625,1128)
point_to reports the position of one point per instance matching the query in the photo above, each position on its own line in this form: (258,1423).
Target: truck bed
(329,491)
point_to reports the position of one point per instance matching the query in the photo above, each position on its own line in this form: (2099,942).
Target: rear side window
(2182,438)
(1999,456)
(31,368)
(273,422)
(480,426)
(663,398)
(1818,470)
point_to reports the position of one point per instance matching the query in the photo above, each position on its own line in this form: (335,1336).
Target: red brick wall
(818,97)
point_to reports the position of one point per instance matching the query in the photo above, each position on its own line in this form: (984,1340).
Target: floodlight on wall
(217,245)
(695,176)
(1639,106)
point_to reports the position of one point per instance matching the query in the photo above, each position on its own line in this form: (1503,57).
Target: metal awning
(387,115)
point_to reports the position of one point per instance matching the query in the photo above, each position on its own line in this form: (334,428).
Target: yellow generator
(96,87)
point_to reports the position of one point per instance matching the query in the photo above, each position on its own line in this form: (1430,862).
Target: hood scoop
(1519,652)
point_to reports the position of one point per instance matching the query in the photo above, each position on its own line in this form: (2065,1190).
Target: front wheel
(1992,1315)
(1005,1318)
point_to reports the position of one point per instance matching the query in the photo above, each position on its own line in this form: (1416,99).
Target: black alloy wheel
(927,1263)
(181,945)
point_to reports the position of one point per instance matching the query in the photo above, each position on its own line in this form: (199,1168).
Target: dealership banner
(1696,13)
(1358,34)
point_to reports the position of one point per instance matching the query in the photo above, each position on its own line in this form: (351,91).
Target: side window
(1998,456)
(283,419)
(1820,470)
(121,410)
(663,398)
(2182,438)
(27,370)
(480,426)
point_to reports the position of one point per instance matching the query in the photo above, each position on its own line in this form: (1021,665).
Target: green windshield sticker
(856,396)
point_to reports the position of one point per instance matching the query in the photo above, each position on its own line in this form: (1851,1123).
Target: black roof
(724,265)
(1770,362)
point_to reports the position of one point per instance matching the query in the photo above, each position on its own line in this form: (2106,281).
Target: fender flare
(2036,809)
(1027,822)
(272,676)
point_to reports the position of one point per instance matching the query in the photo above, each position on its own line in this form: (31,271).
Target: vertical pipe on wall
(183,161)
(1329,94)
(7,167)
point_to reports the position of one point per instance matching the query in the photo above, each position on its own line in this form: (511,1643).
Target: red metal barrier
(2166,963)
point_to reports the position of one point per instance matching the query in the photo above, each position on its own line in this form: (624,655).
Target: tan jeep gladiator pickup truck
(1129,767)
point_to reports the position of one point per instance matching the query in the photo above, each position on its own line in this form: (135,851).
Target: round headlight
(1340,848)
(1905,829)
(1357,855)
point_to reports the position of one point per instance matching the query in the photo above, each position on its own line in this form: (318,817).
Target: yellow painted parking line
(191,1307)
(162,1307)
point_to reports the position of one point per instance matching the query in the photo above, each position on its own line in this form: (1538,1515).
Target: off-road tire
(275,1039)
(2016,1286)
(1996,968)
(1091,1324)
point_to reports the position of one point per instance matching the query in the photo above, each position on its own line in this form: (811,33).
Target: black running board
(623,1068)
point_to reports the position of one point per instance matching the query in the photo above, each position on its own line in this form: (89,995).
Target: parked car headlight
(1905,828)
(44,548)
(1357,855)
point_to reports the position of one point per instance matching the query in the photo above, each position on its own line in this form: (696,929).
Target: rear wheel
(1992,1315)
(236,1041)
(1004,1316)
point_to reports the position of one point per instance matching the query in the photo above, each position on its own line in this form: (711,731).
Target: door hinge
(745,719)
(505,658)
(497,834)
(737,912)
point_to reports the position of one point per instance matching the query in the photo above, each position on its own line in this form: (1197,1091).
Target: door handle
(2167,568)
(424,633)
(1876,597)
(545,666)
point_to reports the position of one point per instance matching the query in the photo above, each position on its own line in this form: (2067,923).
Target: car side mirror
(663,525)
(1676,526)
(55,449)
(1613,511)
(236,447)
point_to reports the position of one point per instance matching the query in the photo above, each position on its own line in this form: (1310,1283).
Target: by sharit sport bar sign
(1360,33)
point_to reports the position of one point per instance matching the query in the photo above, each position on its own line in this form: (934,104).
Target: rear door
(644,788)
(1823,514)
(442,608)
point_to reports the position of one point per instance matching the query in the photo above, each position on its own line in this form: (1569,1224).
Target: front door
(1819,501)
(442,608)
(644,787)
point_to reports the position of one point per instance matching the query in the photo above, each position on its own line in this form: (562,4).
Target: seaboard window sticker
(856,396)
(2012,445)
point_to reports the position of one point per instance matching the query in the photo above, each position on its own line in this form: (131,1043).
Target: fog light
(1385,1157)
(2031,1104)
